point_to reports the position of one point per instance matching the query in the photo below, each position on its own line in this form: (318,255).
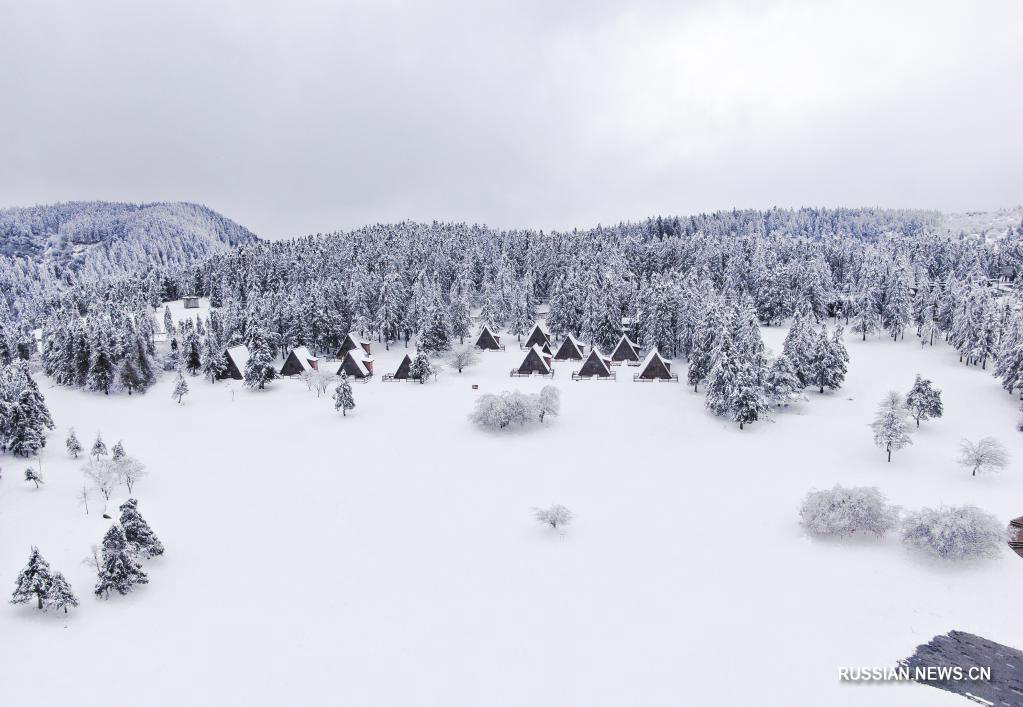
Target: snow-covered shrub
(549,402)
(986,455)
(956,533)
(844,511)
(499,411)
(554,516)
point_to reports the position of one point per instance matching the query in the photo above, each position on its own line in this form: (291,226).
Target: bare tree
(129,470)
(463,358)
(549,402)
(321,382)
(93,559)
(554,516)
(83,498)
(34,476)
(986,455)
(103,475)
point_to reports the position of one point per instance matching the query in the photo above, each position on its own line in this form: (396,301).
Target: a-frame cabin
(235,360)
(595,366)
(488,340)
(299,361)
(354,341)
(357,365)
(537,337)
(404,371)
(625,350)
(536,361)
(654,367)
(571,349)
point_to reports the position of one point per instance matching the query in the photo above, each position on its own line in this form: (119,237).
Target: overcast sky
(305,116)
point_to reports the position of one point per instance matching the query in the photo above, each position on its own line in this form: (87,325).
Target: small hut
(235,359)
(538,336)
(571,349)
(299,361)
(404,372)
(353,341)
(596,366)
(625,350)
(655,368)
(191,301)
(536,361)
(488,340)
(357,365)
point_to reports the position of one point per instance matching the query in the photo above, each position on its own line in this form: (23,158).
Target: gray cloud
(309,116)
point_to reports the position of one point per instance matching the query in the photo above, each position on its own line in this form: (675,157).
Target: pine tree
(435,334)
(180,389)
(101,363)
(722,381)
(137,532)
(99,449)
(826,364)
(168,321)
(705,342)
(748,401)
(212,359)
(74,447)
(192,351)
(781,384)
(798,347)
(119,569)
(865,320)
(520,321)
(259,369)
(458,314)
(343,398)
(128,376)
(421,369)
(117,453)
(34,581)
(60,596)
(891,431)
(924,401)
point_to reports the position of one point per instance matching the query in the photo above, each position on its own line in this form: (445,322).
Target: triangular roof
(625,350)
(535,361)
(487,339)
(352,341)
(354,363)
(537,335)
(404,367)
(298,360)
(571,348)
(654,366)
(239,356)
(595,365)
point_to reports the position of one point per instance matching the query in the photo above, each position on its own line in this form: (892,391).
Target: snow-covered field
(391,557)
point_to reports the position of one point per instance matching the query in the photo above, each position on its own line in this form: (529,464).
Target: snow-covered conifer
(119,569)
(117,453)
(420,369)
(180,389)
(924,400)
(891,430)
(344,400)
(74,447)
(34,581)
(137,532)
(99,449)
(781,385)
(259,369)
(60,595)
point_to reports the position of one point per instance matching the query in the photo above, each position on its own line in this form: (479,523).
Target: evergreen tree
(192,350)
(781,384)
(435,335)
(168,321)
(459,317)
(119,569)
(705,343)
(923,400)
(117,453)
(259,369)
(34,581)
(421,368)
(343,398)
(826,364)
(101,364)
(74,447)
(865,320)
(128,375)
(180,389)
(722,381)
(212,359)
(749,403)
(60,596)
(891,431)
(99,449)
(137,532)
(799,345)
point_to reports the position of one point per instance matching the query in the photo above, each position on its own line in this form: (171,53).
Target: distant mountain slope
(103,238)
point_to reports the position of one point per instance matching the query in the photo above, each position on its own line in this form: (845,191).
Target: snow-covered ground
(180,314)
(391,557)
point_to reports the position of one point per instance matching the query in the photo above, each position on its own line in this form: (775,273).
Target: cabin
(404,372)
(191,301)
(235,359)
(595,367)
(353,341)
(357,364)
(655,368)
(299,361)
(1016,535)
(488,340)
(536,362)
(625,350)
(571,349)
(1007,273)
(538,336)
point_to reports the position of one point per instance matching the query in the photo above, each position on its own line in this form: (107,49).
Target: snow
(414,573)
(240,356)
(180,314)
